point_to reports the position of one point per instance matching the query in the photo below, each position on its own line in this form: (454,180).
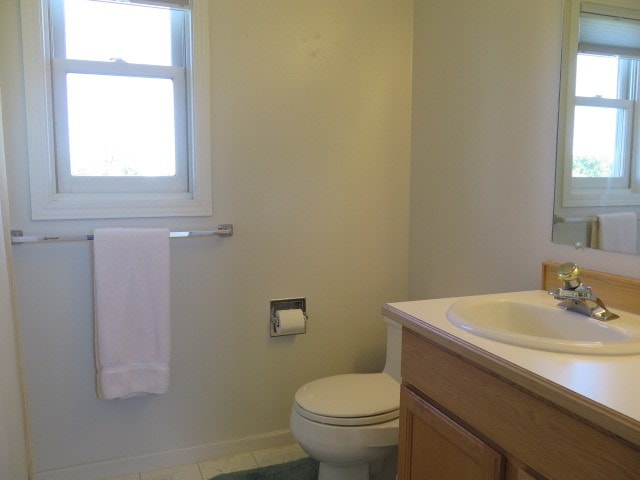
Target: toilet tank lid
(351,395)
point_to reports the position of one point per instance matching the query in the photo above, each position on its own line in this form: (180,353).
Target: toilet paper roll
(290,322)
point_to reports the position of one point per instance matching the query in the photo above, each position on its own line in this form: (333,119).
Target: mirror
(597,194)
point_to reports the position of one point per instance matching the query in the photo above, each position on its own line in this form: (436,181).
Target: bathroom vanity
(489,410)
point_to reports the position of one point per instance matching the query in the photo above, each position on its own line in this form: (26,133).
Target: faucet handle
(569,274)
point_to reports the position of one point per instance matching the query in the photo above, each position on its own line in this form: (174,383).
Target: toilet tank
(394,344)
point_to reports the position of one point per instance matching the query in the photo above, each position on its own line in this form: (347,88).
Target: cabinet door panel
(432,446)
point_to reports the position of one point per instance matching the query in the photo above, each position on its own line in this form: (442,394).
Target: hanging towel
(131,295)
(617,232)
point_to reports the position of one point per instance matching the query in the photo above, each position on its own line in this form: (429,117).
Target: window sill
(601,197)
(90,206)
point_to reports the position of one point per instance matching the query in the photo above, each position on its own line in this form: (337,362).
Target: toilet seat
(350,400)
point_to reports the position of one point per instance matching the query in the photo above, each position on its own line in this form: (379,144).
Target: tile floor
(213,468)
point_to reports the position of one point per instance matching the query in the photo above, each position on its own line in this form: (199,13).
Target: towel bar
(589,219)
(17,237)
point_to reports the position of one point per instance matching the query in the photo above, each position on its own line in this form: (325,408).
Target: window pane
(597,142)
(121,126)
(597,76)
(102,31)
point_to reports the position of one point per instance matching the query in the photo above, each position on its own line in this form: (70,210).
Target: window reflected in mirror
(598,162)
(601,133)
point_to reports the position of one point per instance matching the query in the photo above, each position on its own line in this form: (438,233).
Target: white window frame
(48,200)
(624,180)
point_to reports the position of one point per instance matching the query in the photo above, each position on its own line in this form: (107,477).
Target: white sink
(532,320)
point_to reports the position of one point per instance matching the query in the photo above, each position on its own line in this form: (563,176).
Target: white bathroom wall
(484,117)
(310,138)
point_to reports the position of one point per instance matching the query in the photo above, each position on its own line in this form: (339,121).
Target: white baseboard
(154,461)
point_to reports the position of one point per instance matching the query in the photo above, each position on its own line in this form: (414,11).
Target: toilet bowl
(349,423)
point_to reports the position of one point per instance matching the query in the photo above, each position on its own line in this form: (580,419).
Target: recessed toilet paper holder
(286,304)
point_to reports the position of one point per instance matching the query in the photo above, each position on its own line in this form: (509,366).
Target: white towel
(131,289)
(617,232)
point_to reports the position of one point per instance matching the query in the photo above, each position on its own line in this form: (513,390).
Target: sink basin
(532,320)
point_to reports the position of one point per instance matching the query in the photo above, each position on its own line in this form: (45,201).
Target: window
(603,119)
(602,145)
(117,95)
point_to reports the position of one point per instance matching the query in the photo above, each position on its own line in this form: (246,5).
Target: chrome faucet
(577,297)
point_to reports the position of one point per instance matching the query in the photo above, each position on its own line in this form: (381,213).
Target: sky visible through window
(595,133)
(596,128)
(119,125)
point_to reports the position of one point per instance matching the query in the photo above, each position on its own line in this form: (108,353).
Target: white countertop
(608,381)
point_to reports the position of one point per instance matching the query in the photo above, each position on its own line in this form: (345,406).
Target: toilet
(349,423)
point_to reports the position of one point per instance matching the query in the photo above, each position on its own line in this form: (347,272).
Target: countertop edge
(598,415)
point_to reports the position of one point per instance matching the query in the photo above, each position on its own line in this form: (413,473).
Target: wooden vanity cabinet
(460,421)
(436,447)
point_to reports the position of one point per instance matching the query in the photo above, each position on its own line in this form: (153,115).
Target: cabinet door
(433,447)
